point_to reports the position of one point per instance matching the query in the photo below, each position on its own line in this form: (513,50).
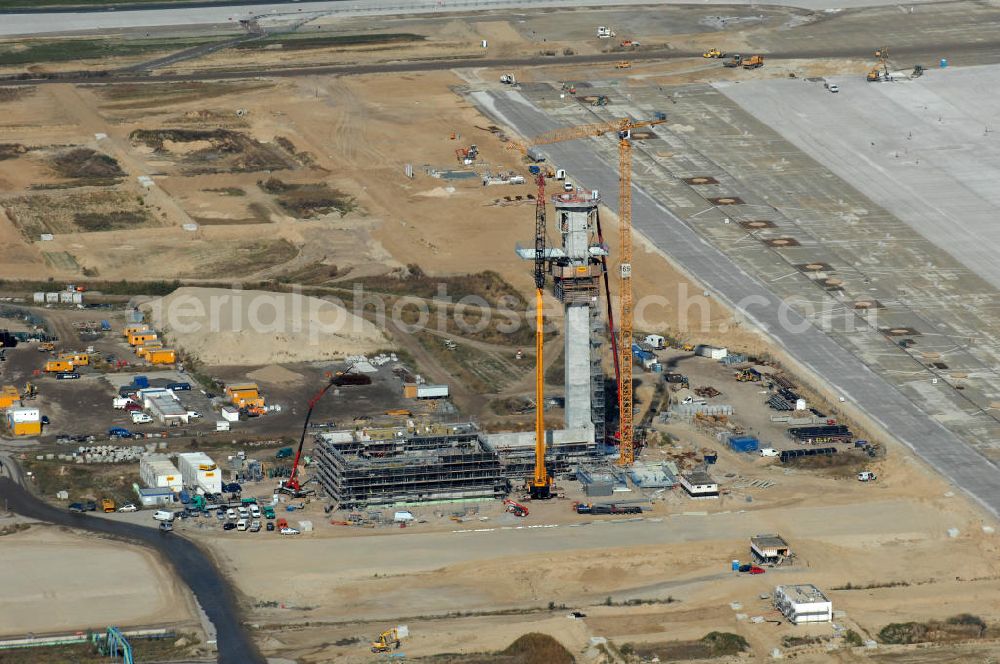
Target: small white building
(157,471)
(803,603)
(711,352)
(199,471)
(230,414)
(655,341)
(700,484)
(164,406)
(157,497)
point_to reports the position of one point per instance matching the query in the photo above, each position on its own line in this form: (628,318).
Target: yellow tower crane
(622,128)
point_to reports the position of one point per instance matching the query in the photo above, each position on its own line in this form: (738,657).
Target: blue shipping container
(744,444)
(141,382)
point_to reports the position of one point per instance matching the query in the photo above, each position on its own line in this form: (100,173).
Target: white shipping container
(38,298)
(77,298)
(712,352)
(432,391)
(18,415)
(65,297)
(159,472)
(198,470)
(222,425)
(52,298)
(230,414)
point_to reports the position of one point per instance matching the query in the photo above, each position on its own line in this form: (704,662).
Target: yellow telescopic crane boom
(623,131)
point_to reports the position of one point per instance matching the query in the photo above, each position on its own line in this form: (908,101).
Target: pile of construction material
(105,454)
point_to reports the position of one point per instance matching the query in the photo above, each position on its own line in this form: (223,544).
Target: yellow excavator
(713,53)
(390,639)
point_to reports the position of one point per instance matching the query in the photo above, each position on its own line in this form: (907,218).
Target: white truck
(604,32)
(140,418)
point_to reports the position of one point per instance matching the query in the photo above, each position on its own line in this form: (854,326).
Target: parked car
(833,88)
(128,507)
(163,515)
(270,526)
(255,526)
(289,531)
(241,525)
(754,569)
(254,512)
(141,418)
(133,407)
(179,386)
(769,452)
(229,525)
(76,507)
(90,506)
(166,527)
(866,476)
(243,512)
(193,414)
(45,420)
(119,432)
(231,514)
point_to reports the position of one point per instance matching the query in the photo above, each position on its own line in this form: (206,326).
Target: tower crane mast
(622,128)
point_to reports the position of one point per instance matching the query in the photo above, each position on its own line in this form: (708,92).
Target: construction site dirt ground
(59,581)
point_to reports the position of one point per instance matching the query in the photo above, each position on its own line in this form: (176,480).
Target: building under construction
(398,467)
(355,472)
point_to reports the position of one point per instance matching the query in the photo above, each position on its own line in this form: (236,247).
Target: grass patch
(77,211)
(87,166)
(108,221)
(154,95)
(308,201)
(226,191)
(488,286)
(30,52)
(713,644)
(216,150)
(872,586)
(957,628)
(304,42)
(480,371)
(144,650)
(252,257)
(15,94)
(11,151)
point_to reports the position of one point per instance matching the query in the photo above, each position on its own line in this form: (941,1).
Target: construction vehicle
(622,346)
(753,62)
(881,71)
(748,376)
(623,64)
(517,509)
(467,155)
(540,485)
(628,43)
(30,391)
(687,347)
(918,70)
(390,639)
(734,61)
(108,505)
(604,32)
(292,486)
(569,87)
(46,346)
(713,53)
(600,100)
(508,79)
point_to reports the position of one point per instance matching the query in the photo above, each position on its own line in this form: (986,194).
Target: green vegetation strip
(291,42)
(66,50)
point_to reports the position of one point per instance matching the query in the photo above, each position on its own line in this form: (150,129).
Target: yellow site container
(78,359)
(161,356)
(55,366)
(142,350)
(8,395)
(27,428)
(134,329)
(141,338)
(409,390)
(242,387)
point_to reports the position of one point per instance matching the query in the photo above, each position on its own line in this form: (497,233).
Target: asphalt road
(834,365)
(83,19)
(191,564)
(963,52)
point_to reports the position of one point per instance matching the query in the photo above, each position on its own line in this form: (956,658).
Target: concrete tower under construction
(575,265)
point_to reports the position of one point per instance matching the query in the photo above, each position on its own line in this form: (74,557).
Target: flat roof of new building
(166,405)
(803,593)
(769,541)
(156,491)
(699,477)
(162,465)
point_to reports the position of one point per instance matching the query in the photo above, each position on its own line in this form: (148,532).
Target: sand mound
(245,328)
(275,374)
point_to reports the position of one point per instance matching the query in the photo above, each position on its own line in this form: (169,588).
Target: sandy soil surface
(223,327)
(58,581)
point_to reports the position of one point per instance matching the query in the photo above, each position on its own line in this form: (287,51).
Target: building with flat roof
(699,484)
(164,406)
(804,603)
(154,497)
(771,549)
(157,471)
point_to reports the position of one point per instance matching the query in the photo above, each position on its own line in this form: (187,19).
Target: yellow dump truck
(161,356)
(58,366)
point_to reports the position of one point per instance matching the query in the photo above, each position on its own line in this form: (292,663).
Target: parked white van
(769,452)
(163,515)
